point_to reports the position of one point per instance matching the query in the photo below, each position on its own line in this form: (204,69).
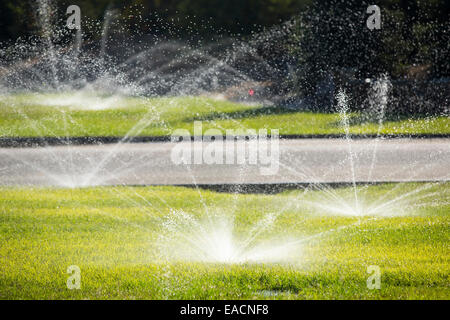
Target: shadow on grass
(364,119)
(252,113)
(360,117)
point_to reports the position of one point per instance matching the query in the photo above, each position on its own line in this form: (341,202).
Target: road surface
(298,161)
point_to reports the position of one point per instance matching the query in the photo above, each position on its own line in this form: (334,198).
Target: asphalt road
(299,161)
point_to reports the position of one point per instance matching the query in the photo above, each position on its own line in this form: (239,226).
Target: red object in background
(251,92)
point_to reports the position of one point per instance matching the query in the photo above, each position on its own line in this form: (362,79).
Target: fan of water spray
(76,68)
(215,238)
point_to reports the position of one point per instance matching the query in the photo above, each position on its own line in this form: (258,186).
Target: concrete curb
(30,142)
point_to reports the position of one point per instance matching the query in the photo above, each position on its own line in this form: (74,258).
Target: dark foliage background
(412,48)
(328,45)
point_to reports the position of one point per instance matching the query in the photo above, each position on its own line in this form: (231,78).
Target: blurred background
(309,47)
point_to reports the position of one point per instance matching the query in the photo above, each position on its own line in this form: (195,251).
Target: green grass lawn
(31,116)
(112,233)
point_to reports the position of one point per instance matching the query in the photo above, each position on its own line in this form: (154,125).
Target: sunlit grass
(31,116)
(111,233)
